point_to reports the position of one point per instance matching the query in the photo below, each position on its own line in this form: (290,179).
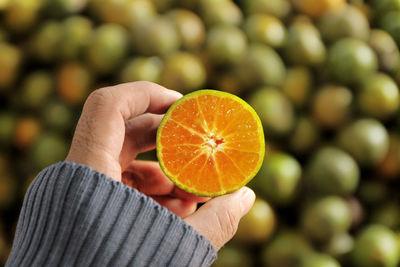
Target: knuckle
(147,86)
(99,97)
(144,84)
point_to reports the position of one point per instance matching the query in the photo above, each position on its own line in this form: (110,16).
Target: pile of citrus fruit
(323,77)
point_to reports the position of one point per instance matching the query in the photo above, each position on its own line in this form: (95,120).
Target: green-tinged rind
(220,94)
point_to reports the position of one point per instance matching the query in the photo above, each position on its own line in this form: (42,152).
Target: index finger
(100,131)
(132,99)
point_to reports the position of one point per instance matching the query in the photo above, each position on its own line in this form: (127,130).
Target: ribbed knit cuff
(75,216)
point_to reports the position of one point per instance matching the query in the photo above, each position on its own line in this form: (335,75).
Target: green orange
(210,143)
(258,225)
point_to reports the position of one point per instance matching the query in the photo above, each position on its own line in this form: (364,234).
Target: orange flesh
(210,143)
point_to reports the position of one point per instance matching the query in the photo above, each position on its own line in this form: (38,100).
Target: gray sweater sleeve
(73,215)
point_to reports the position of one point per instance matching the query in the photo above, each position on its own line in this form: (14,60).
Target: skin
(118,123)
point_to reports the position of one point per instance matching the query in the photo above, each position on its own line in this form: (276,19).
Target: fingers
(140,136)
(218,219)
(148,178)
(100,132)
(180,207)
(132,99)
(177,192)
(142,131)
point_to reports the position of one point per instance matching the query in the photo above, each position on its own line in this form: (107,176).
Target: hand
(118,123)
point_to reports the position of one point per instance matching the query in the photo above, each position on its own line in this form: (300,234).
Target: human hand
(118,123)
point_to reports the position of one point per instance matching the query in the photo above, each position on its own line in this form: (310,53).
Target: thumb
(218,219)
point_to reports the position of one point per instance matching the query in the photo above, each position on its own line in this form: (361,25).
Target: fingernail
(247,198)
(175,94)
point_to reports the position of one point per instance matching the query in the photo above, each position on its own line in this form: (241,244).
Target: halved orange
(210,143)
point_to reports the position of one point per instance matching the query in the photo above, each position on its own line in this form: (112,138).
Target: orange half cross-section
(210,143)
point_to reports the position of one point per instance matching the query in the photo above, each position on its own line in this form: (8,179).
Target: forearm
(75,216)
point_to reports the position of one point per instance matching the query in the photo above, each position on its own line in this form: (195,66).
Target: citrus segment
(210,143)
(245,161)
(188,115)
(228,113)
(178,134)
(203,175)
(230,174)
(179,156)
(208,106)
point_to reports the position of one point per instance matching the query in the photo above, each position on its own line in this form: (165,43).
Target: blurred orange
(74,83)
(26,131)
(316,8)
(390,166)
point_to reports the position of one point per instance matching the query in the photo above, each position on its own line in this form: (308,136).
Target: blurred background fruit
(175,72)
(389,166)
(318,7)
(347,21)
(332,171)
(304,137)
(157,37)
(77,31)
(27,129)
(265,29)
(49,148)
(230,256)
(358,211)
(387,214)
(376,245)
(275,110)
(386,50)
(7,127)
(58,116)
(323,76)
(297,85)
(278,179)
(190,27)
(339,246)
(366,140)
(108,48)
(74,82)
(45,43)
(379,97)
(278,8)
(262,65)
(21,15)
(36,88)
(65,6)
(390,22)
(383,6)
(129,13)
(304,44)
(318,260)
(331,106)
(258,225)
(285,250)
(325,218)
(10,60)
(351,61)
(142,69)
(220,12)
(226,44)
